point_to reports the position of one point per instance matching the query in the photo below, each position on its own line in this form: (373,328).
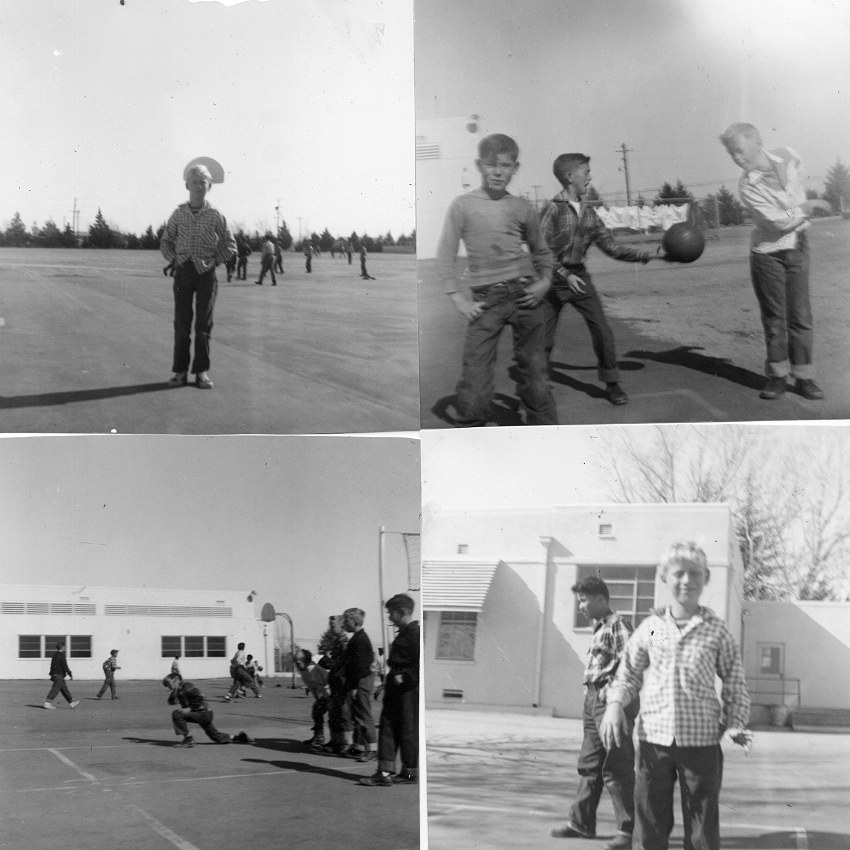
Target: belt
(502,284)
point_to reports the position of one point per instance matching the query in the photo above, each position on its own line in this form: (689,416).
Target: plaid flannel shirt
(569,234)
(677,668)
(202,237)
(110,665)
(610,635)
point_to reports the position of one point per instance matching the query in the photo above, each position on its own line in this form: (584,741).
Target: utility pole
(75,218)
(625,151)
(277,219)
(535,187)
(299,228)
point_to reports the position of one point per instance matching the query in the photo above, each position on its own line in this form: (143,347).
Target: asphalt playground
(86,341)
(689,341)
(107,775)
(499,780)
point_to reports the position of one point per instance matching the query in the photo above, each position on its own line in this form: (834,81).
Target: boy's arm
(603,240)
(625,688)
(733,693)
(447,249)
(782,214)
(226,243)
(168,240)
(541,257)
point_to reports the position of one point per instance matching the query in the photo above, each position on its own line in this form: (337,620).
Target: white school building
(147,626)
(502,626)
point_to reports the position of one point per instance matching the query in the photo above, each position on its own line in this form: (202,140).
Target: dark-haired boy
(58,671)
(598,765)
(508,285)
(570,227)
(398,731)
(194,709)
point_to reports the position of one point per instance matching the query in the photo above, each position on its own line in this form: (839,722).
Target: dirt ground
(689,341)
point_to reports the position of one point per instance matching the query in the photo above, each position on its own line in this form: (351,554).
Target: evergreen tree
(284,237)
(50,236)
(837,187)
(100,233)
(326,241)
(16,232)
(149,240)
(69,238)
(675,195)
(729,207)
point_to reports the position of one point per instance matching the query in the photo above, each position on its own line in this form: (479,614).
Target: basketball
(683,243)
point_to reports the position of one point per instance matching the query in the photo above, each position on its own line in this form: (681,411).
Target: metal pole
(381,534)
(291,642)
(624,151)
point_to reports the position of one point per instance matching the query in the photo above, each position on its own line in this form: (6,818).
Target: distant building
(147,626)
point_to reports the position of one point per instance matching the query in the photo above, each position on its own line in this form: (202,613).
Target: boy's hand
(470,310)
(742,737)
(613,726)
(534,293)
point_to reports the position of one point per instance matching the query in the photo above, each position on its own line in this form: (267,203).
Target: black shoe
(186,743)
(809,389)
(773,388)
(377,778)
(616,394)
(405,779)
(571,831)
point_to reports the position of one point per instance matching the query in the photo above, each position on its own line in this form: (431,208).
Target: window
(80,646)
(171,646)
(194,646)
(771,659)
(456,636)
(606,529)
(29,646)
(216,647)
(50,644)
(632,591)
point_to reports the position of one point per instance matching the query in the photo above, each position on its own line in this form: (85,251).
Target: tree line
(101,235)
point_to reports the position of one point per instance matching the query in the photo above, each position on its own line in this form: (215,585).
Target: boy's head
(303,658)
(684,569)
(497,162)
(171,682)
(352,619)
(743,144)
(240,646)
(572,169)
(113,652)
(198,182)
(399,609)
(335,623)
(593,597)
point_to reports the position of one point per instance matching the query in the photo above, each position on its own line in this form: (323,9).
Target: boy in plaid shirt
(613,767)
(673,659)
(196,239)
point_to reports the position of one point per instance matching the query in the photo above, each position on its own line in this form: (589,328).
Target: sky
(296,519)
(665,77)
(308,103)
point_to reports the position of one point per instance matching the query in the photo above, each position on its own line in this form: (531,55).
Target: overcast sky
(295,518)
(309,102)
(664,76)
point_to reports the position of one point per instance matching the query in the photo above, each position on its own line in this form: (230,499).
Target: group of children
(343,685)
(523,269)
(662,673)
(244,674)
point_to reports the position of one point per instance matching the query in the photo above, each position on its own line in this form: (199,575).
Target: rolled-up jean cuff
(780,369)
(802,371)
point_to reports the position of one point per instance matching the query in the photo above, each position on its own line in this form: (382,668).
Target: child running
(508,286)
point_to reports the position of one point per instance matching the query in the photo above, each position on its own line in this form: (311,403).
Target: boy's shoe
(773,388)
(178,379)
(809,389)
(49,705)
(571,831)
(369,755)
(377,779)
(621,841)
(242,738)
(616,394)
(404,778)
(202,380)
(98,696)
(227,697)
(73,703)
(186,743)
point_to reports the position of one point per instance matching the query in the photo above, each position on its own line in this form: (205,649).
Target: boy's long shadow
(788,841)
(591,390)
(50,399)
(284,745)
(158,742)
(718,367)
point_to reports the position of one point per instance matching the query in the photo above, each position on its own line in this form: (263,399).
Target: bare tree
(789,497)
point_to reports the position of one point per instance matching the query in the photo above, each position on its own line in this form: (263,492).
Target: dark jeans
(699,771)
(781,284)
(241,679)
(360,705)
(242,268)
(318,712)
(598,767)
(337,720)
(198,291)
(59,687)
(590,308)
(398,730)
(267,265)
(475,389)
(204,719)
(308,263)
(108,682)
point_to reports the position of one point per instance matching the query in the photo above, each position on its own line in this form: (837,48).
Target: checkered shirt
(677,668)
(610,635)
(202,237)
(569,234)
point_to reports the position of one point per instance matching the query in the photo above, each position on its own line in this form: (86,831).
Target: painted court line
(71,764)
(164,831)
